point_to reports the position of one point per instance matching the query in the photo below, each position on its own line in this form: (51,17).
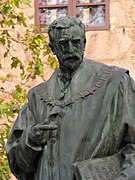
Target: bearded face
(69,47)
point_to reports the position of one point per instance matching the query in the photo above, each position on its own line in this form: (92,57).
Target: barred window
(93,13)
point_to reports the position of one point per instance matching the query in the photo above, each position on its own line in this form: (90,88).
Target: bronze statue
(84,113)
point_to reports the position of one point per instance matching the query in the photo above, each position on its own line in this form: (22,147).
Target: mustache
(68,56)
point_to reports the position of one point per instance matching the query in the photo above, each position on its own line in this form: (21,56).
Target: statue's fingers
(48,127)
(46,122)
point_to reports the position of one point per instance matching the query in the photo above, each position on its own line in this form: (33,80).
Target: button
(53,140)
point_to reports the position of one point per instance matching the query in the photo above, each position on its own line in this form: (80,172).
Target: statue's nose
(70,47)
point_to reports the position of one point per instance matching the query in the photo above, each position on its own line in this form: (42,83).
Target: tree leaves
(15,2)
(15,62)
(26,2)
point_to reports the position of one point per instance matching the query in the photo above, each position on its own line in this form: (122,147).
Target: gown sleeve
(21,154)
(127,97)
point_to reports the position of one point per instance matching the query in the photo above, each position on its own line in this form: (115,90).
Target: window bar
(53,6)
(90,4)
(36,12)
(107,15)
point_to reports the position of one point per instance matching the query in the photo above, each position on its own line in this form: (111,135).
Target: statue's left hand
(38,133)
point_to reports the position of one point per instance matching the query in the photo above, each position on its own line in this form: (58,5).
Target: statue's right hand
(38,133)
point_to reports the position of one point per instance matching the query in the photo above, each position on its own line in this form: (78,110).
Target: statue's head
(67,41)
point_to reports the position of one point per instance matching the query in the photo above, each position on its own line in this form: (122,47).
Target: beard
(71,61)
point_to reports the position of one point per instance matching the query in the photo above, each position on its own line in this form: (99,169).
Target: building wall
(115,46)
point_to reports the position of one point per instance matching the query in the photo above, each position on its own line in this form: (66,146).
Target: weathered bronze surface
(107,168)
(84,113)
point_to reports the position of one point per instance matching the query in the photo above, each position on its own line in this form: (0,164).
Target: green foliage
(34,43)
(9,16)
(4,169)
(20,95)
(7,110)
(32,40)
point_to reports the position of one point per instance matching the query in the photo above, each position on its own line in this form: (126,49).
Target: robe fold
(95,116)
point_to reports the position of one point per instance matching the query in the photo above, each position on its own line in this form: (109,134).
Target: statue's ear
(84,43)
(52,48)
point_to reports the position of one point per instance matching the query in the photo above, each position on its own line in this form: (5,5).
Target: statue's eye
(76,41)
(63,42)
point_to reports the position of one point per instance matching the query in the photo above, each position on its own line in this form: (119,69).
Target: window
(93,13)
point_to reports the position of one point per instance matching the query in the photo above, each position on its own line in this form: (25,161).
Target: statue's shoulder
(117,71)
(37,90)
(41,90)
(93,64)
(98,66)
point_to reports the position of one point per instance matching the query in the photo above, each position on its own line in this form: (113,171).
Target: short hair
(64,23)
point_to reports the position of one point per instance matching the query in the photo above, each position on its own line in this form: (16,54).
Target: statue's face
(70,47)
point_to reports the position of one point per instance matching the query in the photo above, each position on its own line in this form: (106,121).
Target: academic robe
(95,115)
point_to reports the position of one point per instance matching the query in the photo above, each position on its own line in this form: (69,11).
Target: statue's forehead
(71,31)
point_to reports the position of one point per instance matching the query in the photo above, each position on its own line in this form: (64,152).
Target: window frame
(72,12)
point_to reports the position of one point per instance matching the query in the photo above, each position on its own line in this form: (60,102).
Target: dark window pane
(52,2)
(91,16)
(47,15)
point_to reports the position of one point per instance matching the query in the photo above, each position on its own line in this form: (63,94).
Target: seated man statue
(85,111)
